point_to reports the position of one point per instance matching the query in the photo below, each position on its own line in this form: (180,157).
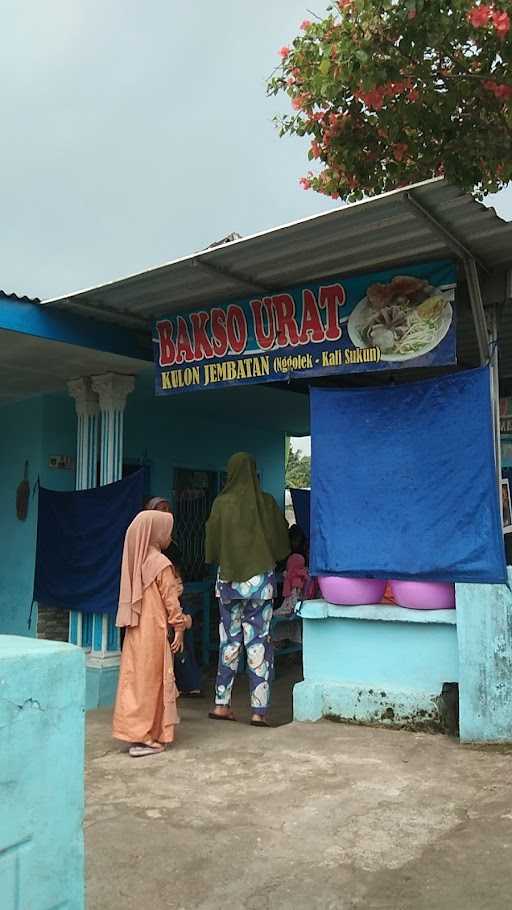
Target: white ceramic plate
(357,318)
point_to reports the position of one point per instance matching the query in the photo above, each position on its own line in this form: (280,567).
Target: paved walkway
(302,817)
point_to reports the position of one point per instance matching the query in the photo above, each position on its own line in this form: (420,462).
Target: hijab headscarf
(246,534)
(171,552)
(154,502)
(296,574)
(149,533)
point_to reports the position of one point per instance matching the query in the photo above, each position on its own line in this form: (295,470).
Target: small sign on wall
(61,462)
(506,431)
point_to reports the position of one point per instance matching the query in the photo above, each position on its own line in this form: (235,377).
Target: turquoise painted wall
(192,431)
(59,438)
(35,429)
(202,430)
(21,441)
(42,688)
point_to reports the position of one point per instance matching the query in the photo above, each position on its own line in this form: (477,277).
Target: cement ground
(302,817)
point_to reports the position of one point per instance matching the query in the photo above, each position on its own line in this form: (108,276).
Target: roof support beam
(477,308)
(495,393)
(233,274)
(131,320)
(470,263)
(462,251)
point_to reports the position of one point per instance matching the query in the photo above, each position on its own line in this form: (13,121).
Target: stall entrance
(193,491)
(193,494)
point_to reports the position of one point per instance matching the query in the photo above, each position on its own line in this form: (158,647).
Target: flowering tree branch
(393,91)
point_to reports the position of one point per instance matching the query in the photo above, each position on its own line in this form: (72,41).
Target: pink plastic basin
(351,591)
(424,595)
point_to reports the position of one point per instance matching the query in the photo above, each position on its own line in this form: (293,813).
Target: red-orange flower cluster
(400,150)
(501,22)
(503,92)
(301,102)
(375,98)
(481,16)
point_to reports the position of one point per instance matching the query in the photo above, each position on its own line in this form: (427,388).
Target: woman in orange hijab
(145,711)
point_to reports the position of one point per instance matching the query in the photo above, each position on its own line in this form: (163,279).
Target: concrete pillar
(100,404)
(87,410)
(42,690)
(103,662)
(112,390)
(484,631)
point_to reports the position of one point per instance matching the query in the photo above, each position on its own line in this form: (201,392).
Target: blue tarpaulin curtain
(404,483)
(300,502)
(80,544)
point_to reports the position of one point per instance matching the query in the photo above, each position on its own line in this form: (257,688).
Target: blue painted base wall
(375,664)
(101,687)
(41,775)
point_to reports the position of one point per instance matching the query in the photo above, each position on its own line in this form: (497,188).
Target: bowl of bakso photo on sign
(351,592)
(405,318)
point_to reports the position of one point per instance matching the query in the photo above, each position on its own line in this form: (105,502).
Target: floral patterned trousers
(245,622)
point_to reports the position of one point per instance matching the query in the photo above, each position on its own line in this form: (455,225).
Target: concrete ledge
(358,704)
(320,609)
(376,664)
(42,688)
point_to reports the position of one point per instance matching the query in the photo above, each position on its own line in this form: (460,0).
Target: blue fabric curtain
(80,540)
(300,501)
(404,484)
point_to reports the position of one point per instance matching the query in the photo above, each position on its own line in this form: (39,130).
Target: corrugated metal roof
(372,234)
(20,298)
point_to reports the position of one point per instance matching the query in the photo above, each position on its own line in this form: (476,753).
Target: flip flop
(260,723)
(140,751)
(229,717)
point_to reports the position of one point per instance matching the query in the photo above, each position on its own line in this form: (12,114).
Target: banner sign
(380,321)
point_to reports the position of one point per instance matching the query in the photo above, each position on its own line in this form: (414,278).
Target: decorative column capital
(113,390)
(86,400)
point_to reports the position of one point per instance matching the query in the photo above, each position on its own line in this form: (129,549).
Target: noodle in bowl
(406,318)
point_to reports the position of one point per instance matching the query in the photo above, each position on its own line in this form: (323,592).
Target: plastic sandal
(141,751)
(213,716)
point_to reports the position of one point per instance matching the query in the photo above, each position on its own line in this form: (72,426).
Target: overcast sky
(136,131)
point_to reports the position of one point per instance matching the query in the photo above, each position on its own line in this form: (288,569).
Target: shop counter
(376,664)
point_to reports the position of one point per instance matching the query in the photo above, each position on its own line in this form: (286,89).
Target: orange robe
(145,708)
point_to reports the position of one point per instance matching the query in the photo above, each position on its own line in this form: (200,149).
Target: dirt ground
(303,816)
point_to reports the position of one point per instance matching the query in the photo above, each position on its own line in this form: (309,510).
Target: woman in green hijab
(246,535)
